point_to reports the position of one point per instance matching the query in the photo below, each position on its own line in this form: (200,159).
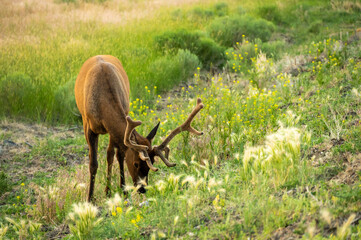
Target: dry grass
(18,17)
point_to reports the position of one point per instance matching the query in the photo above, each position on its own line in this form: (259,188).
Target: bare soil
(17,140)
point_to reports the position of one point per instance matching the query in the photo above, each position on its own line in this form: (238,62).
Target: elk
(102,97)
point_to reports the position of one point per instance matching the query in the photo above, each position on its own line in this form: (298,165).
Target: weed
(25,229)
(83,219)
(5,184)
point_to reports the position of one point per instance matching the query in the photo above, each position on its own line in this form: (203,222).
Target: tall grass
(47,52)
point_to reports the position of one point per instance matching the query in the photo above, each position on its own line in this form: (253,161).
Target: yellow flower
(22,184)
(114,213)
(119,209)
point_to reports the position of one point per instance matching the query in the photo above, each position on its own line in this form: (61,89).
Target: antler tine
(144,156)
(128,131)
(139,148)
(159,153)
(186,126)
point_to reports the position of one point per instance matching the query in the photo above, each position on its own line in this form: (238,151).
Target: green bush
(315,27)
(229,30)
(171,70)
(198,12)
(17,94)
(272,49)
(208,51)
(271,13)
(211,54)
(243,53)
(4,183)
(64,102)
(171,41)
(221,9)
(240,10)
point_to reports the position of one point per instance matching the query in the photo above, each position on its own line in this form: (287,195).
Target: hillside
(280,156)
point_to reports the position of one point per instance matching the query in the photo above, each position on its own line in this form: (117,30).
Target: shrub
(4,183)
(198,12)
(240,10)
(240,57)
(208,51)
(271,13)
(272,49)
(221,9)
(315,27)
(17,93)
(171,70)
(171,41)
(64,102)
(229,30)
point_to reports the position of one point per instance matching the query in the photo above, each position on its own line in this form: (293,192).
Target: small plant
(278,159)
(25,229)
(263,71)
(3,231)
(115,204)
(4,183)
(335,124)
(83,219)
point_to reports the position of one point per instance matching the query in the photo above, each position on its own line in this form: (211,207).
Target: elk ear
(153,132)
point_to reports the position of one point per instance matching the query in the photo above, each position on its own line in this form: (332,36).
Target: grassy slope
(214,192)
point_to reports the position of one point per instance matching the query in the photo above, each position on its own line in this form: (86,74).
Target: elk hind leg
(110,159)
(92,139)
(120,157)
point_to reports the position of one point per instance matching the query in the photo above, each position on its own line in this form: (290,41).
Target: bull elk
(102,97)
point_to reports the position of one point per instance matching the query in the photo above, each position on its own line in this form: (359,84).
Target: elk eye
(136,165)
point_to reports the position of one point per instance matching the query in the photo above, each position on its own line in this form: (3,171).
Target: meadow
(280,82)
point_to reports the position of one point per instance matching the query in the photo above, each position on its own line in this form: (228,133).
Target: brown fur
(102,97)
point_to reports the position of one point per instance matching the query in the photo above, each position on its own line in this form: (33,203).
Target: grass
(279,156)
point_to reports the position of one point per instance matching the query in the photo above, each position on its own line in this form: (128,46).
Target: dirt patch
(286,233)
(321,154)
(351,173)
(17,140)
(58,233)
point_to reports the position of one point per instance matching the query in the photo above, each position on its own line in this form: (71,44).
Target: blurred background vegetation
(160,44)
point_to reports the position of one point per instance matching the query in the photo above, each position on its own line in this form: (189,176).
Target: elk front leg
(110,159)
(92,139)
(120,157)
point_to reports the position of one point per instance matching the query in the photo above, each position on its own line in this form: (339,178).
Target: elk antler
(186,126)
(142,149)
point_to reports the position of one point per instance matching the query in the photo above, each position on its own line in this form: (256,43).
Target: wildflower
(114,203)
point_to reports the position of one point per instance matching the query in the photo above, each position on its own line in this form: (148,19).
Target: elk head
(140,154)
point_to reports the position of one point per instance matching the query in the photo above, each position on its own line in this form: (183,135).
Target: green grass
(49,64)
(275,149)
